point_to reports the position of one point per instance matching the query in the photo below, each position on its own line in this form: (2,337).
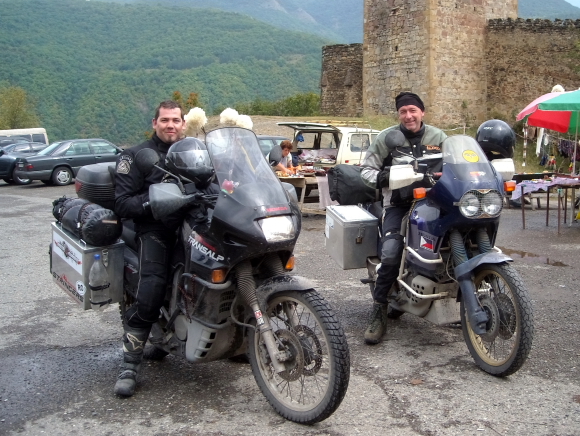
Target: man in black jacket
(154,240)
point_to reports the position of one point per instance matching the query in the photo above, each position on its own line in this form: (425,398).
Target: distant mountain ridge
(550,9)
(339,20)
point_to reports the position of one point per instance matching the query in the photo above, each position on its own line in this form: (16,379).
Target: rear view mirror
(146,159)
(275,155)
(394,139)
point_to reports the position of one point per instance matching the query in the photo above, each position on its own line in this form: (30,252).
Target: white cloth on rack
(539,141)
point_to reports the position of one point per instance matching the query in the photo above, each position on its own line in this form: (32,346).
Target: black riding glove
(383,178)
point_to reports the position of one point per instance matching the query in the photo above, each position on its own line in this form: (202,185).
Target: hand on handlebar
(383,178)
(201,198)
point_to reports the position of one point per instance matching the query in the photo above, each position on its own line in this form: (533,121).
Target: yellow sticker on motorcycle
(470,156)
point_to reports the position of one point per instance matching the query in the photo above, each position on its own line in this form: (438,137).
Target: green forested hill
(339,20)
(342,20)
(99,69)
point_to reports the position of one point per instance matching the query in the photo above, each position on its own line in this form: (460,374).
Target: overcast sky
(574,3)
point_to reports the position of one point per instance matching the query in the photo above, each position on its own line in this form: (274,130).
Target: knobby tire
(316,379)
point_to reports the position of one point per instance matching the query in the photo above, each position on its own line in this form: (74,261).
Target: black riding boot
(387,275)
(377,324)
(134,341)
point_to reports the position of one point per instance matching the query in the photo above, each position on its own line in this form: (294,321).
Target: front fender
(477,317)
(273,285)
(490,257)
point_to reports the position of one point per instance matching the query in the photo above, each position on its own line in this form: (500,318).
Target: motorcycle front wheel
(505,346)
(317,361)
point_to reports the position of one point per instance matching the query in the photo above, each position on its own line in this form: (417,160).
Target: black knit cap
(407,98)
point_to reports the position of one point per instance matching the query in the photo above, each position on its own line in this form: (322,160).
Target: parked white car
(326,145)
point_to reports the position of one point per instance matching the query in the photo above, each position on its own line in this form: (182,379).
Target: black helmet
(189,158)
(497,139)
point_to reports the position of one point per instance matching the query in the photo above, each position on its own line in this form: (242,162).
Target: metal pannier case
(351,235)
(71,260)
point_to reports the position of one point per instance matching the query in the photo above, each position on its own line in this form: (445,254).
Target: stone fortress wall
(526,59)
(470,60)
(341,81)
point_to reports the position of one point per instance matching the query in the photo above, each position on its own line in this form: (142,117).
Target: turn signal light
(218,276)
(509,186)
(289,264)
(419,193)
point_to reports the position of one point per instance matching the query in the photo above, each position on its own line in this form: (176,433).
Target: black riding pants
(155,244)
(391,250)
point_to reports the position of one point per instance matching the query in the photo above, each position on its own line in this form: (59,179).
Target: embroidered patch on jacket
(123,167)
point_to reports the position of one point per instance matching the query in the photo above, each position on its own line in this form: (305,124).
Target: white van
(37,134)
(326,145)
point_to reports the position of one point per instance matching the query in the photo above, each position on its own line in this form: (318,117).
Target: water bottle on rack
(99,284)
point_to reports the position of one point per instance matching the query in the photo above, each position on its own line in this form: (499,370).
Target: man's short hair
(286,144)
(168,104)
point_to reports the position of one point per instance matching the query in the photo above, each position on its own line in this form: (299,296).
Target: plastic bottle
(99,284)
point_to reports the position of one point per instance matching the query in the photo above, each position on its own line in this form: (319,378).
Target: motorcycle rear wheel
(504,348)
(318,369)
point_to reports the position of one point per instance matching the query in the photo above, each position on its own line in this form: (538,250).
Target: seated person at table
(285,164)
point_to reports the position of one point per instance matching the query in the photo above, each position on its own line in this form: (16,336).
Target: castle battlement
(532,24)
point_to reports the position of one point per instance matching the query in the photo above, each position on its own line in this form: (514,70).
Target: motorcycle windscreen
(241,169)
(463,155)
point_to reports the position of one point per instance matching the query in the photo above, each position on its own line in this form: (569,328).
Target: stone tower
(435,48)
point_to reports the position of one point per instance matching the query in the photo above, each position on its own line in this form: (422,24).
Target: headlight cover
(278,228)
(492,203)
(469,205)
(482,203)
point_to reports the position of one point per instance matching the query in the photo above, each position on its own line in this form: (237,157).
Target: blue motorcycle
(451,271)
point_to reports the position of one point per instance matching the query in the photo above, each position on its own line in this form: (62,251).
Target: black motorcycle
(232,294)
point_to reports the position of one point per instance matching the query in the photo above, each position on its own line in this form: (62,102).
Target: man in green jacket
(420,140)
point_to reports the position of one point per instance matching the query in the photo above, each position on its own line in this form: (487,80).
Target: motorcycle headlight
(278,228)
(485,203)
(469,205)
(492,203)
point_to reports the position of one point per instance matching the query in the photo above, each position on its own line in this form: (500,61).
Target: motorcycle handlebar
(201,198)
